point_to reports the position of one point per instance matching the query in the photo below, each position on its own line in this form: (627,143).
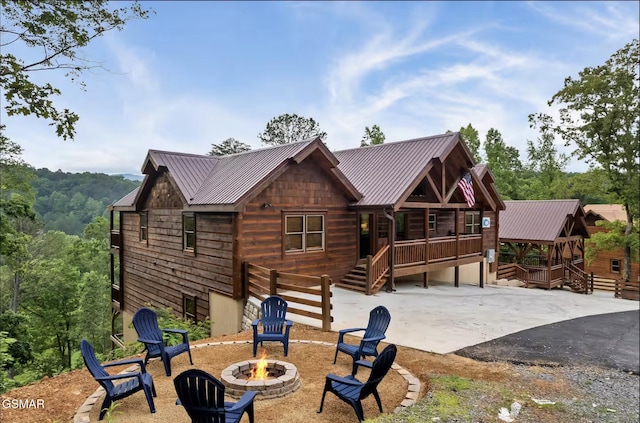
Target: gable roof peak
(394,143)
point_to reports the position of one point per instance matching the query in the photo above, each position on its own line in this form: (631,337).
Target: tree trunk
(627,246)
(15,300)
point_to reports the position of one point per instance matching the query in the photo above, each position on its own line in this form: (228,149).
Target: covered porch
(410,242)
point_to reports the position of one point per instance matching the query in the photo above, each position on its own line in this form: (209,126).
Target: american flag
(466,186)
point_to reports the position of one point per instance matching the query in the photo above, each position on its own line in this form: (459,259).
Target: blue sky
(197,73)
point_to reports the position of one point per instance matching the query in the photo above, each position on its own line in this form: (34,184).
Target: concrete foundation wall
(469,274)
(129,333)
(226,314)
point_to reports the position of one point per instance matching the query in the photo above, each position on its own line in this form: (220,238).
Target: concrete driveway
(444,319)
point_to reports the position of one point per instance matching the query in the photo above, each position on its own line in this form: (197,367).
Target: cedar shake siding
(303,188)
(159,271)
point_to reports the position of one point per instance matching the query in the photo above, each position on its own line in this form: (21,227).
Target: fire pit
(269,378)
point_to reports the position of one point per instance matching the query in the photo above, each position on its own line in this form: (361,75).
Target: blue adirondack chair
(352,391)
(146,323)
(202,396)
(379,319)
(138,381)
(275,326)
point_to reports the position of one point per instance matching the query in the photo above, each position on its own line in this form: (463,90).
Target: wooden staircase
(368,275)
(576,279)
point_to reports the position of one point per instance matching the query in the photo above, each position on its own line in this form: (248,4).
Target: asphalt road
(606,340)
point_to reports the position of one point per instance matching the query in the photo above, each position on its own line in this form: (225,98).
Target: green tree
(472,138)
(504,162)
(16,327)
(600,117)
(373,136)
(546,164)
(51,298)
(50,35)
(285,129)
(228,146)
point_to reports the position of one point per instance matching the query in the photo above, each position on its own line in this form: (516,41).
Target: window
(143,226)
(432,222)
(303,233)
(402,225)
(383,226)
(189,231)
(189,307)
(472,222)
(615,266)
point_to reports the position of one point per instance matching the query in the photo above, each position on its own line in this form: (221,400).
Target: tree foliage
(600,117)
(69,201)
(472,138)
(228,146)
(53,34)
(285,129)
(547,166)
(504,162)
(613,238)
(372,136)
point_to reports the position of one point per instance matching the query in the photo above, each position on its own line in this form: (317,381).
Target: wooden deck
(413,257)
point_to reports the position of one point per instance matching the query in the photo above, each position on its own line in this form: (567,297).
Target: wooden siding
(304,188)
(601,266)
(159,271)
(162,195)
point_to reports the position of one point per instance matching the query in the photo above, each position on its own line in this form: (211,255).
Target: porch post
(392,251)
(457,230)
(425,275)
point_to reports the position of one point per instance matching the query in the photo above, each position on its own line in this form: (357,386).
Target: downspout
(392,254)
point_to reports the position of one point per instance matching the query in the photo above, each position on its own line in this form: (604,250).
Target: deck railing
(261,282)
(413,252)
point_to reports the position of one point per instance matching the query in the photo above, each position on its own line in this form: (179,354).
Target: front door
(365,227)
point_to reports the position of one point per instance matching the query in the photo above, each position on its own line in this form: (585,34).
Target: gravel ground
(583,394)
(610,395)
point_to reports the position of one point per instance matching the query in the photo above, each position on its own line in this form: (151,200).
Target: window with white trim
(432,221)
(143,226)
(472,223)
(615,266)
(303,233)
(189,231)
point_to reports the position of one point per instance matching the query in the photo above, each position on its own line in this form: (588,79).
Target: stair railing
(377,267)
(579,275)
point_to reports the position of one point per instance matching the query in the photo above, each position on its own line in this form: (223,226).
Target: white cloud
(611,20)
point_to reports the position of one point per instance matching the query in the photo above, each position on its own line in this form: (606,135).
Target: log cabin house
(546,239)
(363,216)
(608,263)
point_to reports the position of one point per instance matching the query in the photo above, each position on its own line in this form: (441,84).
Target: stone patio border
(413,389)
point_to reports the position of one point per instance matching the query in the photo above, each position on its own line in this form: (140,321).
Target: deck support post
(425,280)
(482,274)
(456,276)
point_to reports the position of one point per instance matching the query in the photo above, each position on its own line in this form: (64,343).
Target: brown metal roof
(127,200)
(211,180)
(187,170)
(382,173)
(541,221)
(610,212)
(373,176)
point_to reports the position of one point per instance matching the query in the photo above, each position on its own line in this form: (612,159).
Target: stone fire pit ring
(284,379)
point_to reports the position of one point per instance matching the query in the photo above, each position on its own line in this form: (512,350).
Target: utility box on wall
(491,255)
